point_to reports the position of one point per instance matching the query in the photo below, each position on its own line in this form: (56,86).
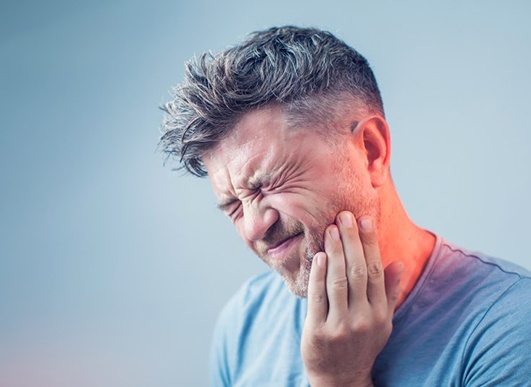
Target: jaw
(295,272)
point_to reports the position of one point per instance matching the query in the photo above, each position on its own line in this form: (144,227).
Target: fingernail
(366,224)
(334,233)
(400,267)
(346,219)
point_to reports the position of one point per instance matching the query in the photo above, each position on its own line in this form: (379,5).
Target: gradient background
(113,268)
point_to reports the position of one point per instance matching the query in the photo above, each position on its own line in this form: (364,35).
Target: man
(290,128)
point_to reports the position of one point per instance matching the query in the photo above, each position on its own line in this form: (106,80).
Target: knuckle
(340,333)
(340,283)
(380,316)
(358,271)
(393,296)
(317,298)
(387,329)
(375,269)
(362,326)
(317,333)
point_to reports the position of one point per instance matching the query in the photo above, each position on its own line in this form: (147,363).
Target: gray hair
(305,71)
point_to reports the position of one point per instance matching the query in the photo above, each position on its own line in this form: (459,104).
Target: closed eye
(235,213)
(226,206)
(230,208)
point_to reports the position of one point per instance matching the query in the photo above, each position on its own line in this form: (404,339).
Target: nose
(258,218)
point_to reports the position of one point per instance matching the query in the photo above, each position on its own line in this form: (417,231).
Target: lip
(279,250)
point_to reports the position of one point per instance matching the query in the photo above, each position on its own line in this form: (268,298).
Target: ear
(376,145)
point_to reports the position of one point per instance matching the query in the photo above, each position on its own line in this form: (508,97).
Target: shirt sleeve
(498,353)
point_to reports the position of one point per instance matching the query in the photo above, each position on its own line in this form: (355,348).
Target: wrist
(335,381)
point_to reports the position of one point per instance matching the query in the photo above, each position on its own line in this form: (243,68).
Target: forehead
(270,122)
(261,143)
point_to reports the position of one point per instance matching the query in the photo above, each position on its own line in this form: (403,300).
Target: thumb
(393,275)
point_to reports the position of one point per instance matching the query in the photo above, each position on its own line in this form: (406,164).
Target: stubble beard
(311,243)
(299,285)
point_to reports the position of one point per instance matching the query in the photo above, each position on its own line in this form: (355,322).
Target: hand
(351,301)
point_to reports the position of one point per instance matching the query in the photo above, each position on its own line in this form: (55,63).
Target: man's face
(282,186)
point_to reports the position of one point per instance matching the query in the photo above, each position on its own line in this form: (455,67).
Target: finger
(317,300)
(336,279)
(376,293)
(393,275)
(356,266)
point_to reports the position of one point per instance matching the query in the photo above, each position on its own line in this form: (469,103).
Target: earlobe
(377,148)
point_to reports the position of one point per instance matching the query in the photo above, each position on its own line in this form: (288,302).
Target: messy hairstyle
(305,71)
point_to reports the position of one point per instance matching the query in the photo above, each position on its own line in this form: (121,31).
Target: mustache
(278,233)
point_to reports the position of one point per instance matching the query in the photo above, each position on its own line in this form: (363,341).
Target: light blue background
(113,268)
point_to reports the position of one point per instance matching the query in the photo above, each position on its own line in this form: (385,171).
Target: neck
(402,240)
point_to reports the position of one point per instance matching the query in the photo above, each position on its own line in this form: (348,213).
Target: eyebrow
(257,182)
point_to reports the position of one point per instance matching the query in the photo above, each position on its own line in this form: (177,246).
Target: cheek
(309,208)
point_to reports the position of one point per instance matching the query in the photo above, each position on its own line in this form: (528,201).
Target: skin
(324,215)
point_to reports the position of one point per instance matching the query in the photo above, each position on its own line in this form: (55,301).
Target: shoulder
(496,351)
(462,271)
(498,265)
(257,301)
(257,292)
(462,281)
(474,312)
(486,281)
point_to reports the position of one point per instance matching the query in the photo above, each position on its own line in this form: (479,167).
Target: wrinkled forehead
(257,139)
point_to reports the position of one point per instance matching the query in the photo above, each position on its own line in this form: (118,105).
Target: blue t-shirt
(467,322)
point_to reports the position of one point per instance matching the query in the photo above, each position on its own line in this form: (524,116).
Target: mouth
(280,248)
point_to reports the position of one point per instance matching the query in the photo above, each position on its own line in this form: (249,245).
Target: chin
(295,270)
(298,285)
